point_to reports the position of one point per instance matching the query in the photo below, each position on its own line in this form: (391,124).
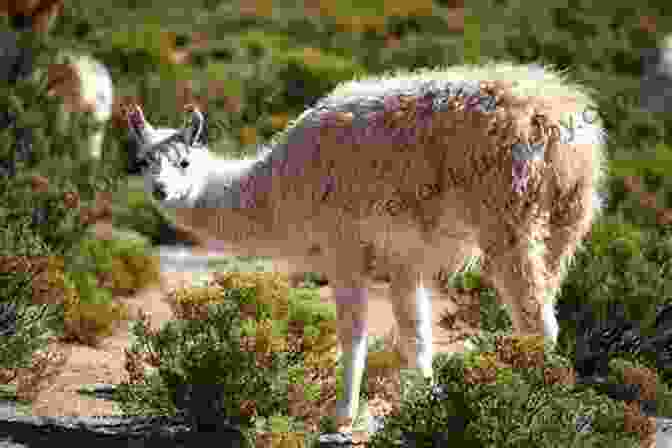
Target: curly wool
(357,121)
(403,111)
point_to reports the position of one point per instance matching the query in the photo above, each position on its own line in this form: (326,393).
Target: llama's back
(434,163)
(395,146)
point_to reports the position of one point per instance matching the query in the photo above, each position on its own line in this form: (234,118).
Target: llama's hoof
(349,433)
(348,439)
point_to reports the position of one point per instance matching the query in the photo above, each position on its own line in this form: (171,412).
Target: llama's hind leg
(345,264)
(412,307)
(566,233)
(520,277)
(351,310)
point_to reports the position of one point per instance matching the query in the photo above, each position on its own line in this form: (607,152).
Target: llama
(413,172)
(83,83)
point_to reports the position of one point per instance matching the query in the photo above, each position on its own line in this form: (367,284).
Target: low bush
(28,321)
(484,305)
(134,210)
(88,323)
(509,392)
(121,266)
(240,264)
(98,271)
(248,335)
(619,266)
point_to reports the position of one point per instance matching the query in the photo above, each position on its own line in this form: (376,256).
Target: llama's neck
(221,182)
(232,206)
(219,209)
(245,183)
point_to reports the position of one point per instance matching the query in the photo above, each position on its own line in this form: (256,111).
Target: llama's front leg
(520,277)
(413,311)
(351,310)
(423,341)
(551,327)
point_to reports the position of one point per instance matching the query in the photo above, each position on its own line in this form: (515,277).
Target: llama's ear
(194,127)
(138,127)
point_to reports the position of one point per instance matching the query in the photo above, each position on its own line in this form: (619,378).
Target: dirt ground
(105,364)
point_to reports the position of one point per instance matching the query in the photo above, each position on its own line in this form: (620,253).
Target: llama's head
(172,161)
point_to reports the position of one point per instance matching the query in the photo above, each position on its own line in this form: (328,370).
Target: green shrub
(241,264)
(619,263)
(35,322)
(513,396)
(135,211)
(246,333)
(311,280)
(494,316)
(96,271)
(89,322)
(631,370)
(102,268)
(135,268)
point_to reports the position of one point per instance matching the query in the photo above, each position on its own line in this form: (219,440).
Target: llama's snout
(169,190)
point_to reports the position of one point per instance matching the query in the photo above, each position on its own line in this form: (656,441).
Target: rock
(656,83)
(203,404)
(104,432)
(661,343)
(7,119)
(8,319)
(23,148)
(15,62)
(663,433)
(336,440)
(7,168)
(597,341)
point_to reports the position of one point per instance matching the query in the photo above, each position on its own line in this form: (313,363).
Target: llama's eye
(184,163)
